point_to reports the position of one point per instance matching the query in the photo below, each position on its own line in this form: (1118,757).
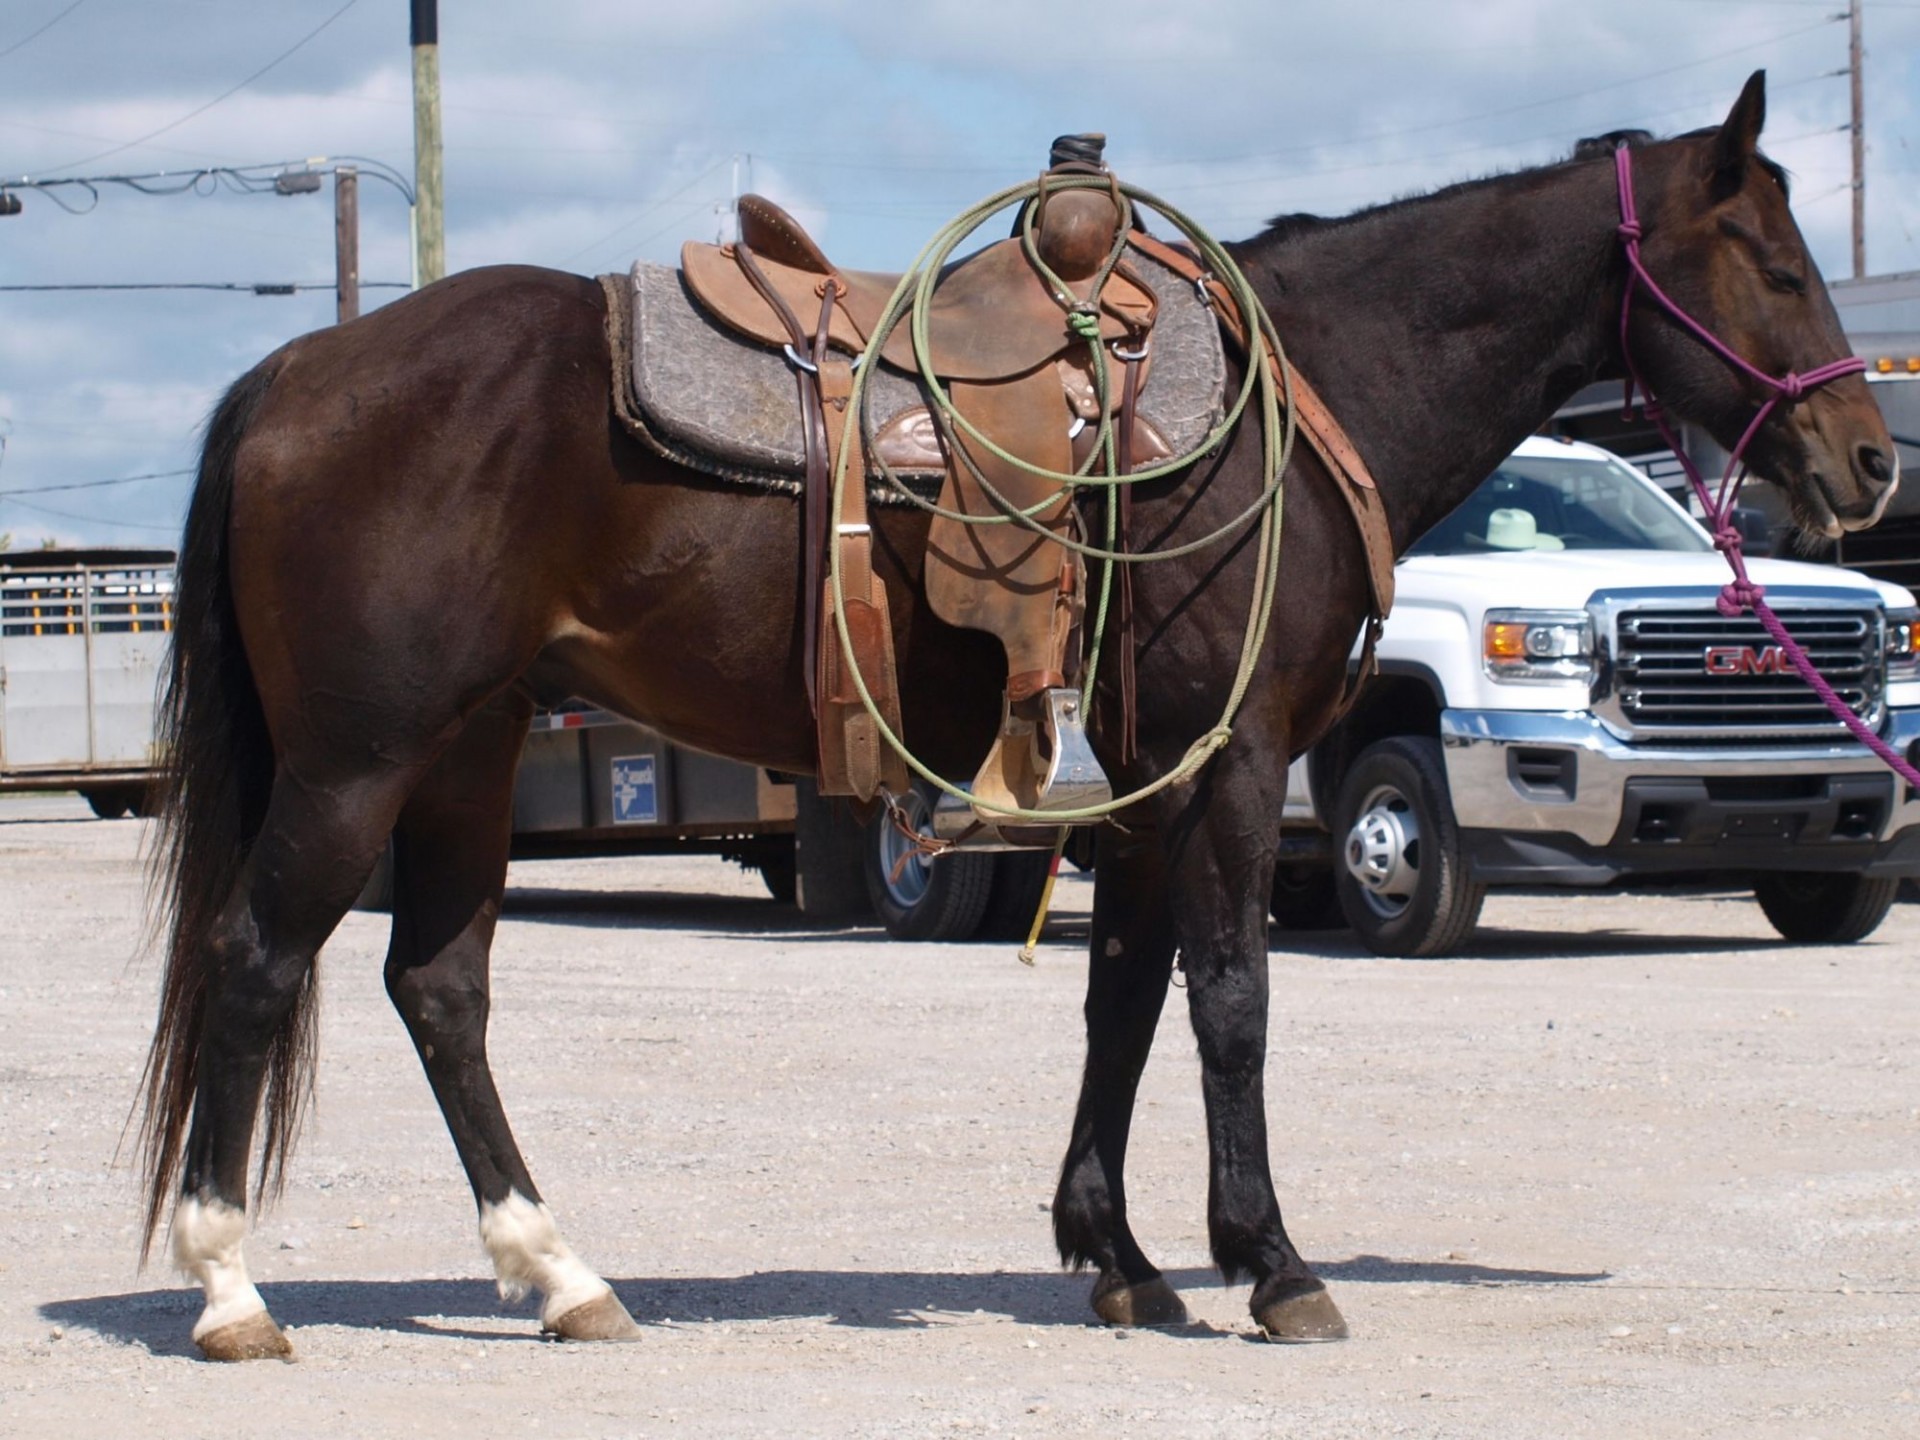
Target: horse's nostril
(1873,463)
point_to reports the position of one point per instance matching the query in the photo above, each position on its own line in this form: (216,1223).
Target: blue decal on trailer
(636,801)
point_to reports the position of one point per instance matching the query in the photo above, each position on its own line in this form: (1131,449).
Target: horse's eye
(1785,281)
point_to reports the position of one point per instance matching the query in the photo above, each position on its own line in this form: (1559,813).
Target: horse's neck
(1443,331)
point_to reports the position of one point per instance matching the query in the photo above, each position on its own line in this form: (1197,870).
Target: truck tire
(779,873)
(1816,908)
(1402,880)
(1305,897)
(110,802)
(1018,878)
(918,898)
(829,847)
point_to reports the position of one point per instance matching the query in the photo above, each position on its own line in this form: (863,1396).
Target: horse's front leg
(1220,866)
(1131,962)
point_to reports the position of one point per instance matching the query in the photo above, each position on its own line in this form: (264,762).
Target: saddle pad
(730,408)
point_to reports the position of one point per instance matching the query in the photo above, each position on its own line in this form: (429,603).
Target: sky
(583,134)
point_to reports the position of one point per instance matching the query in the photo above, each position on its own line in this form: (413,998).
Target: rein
(1740,593)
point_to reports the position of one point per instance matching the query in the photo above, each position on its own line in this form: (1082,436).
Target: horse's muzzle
(1876,477)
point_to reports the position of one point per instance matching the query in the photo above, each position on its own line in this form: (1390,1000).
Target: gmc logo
(1745,660)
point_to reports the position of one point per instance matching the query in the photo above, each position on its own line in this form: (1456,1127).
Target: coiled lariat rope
(1267,377)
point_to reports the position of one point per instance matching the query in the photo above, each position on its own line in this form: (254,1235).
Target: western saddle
(1013,354)
(1002,343)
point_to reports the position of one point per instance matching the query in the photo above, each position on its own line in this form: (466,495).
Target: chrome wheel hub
(904,869)
(1383,851)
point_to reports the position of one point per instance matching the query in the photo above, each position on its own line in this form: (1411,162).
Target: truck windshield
(1562,503)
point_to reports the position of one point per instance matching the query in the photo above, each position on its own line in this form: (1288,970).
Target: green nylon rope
(923,277)
(912,300)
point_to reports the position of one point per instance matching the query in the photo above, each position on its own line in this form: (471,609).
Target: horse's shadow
(159,1320)
(1496,943)
(719,915)
(673,910)
(764,919)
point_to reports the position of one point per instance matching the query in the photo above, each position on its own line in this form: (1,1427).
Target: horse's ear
(1739,138)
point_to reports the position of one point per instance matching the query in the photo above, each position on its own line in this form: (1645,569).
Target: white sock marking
(528,1253)
(207,1236)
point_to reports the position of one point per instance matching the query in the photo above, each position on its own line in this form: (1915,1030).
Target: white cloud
(584,132)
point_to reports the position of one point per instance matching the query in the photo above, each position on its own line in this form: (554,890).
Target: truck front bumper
(1556,798)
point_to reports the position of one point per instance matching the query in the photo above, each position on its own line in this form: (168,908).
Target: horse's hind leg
(450,863)
(1132,960)
(318,843)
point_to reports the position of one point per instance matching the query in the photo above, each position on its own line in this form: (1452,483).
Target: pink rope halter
(1740,593)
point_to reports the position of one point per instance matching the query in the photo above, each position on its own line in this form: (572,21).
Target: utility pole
(430,238)
(1854,68)
(346,241)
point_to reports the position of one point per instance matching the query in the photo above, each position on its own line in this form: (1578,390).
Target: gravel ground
(1634,1168)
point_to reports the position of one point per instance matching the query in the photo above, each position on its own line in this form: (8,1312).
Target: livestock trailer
(83,647)
(83,639)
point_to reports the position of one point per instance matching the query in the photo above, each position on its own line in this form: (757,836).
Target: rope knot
(1737,596)
(1084,321)
(1629,231)
(1726,539)
(1792,387)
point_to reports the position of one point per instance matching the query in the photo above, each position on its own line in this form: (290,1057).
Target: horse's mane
(1283,229)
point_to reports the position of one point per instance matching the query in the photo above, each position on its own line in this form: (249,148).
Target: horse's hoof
(602,1319)
(254,1338)
(1306,1318)
(1151,1302)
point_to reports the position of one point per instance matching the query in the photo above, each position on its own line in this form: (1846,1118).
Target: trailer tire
(829,848)
(111,802)
(780,873)
(1305,897)
(1817,908)
(1019,877)
(920,898)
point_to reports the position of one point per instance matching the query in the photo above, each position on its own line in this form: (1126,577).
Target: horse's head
(1721,241)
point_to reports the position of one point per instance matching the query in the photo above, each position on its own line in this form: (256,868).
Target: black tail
(218,774)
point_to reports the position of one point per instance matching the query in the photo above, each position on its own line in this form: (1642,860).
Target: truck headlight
(1903,645)
(1539,645)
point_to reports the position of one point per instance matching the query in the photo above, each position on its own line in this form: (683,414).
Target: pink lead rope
(1740,593)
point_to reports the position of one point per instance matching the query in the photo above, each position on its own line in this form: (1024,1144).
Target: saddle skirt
(696,391)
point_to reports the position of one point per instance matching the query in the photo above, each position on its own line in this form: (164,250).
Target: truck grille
(1685,673)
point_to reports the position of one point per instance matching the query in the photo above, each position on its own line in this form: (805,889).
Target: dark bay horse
(410,530)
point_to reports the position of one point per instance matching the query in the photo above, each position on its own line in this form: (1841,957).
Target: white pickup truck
(1560,703)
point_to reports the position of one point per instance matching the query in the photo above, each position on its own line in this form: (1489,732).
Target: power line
(649,209)
(260,178)
(1505,110)
(1243,181)
(96,484)
(238,287)
(223,95)
(32,36)
(683,214)
(89,519)
(848,162)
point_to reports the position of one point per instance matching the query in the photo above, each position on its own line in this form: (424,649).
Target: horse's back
(435,499)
